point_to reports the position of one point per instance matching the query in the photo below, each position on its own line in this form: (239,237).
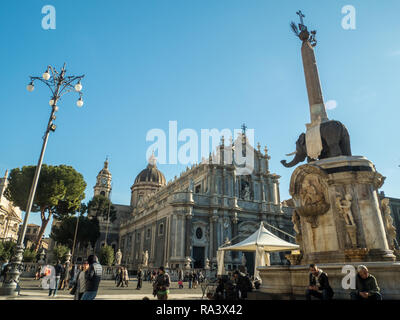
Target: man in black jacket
(319,284)
(366,286)
(93,278)
(139,279)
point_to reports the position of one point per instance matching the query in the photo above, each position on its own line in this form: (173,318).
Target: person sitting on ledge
(366,286)
(319,284)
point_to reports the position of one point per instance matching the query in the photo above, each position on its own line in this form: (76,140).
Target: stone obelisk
(315,99)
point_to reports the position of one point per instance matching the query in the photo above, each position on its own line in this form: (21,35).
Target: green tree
(101,206)
(29,255)
(59,192)
(6,250)
(106,255)
(88,231)
(60,252)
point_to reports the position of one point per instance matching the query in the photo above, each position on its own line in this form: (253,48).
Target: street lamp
(59,84)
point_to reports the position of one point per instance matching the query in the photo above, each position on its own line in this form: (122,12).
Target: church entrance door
(198,257)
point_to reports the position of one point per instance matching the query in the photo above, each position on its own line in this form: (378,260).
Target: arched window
(161,229)
(148,233)
(103,193)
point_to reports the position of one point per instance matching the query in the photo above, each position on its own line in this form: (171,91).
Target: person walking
(63,276)
(139,279)
(51,279)
(73,273)
(118,277)
(93,278)
(125,275)
(195,280)
(190,279)
(161,284)
(80,284)
(55,279)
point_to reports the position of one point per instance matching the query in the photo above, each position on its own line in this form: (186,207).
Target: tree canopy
(60,253)
(106,255)
(7,250)
(59,192)
(88,231)
(101,206)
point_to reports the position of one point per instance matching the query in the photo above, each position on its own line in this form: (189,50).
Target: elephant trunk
(298,158)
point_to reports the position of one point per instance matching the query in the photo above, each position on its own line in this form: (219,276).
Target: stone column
(234,182)
(188,233)
(235,232)
(315,99)
(167,240)
(213,235)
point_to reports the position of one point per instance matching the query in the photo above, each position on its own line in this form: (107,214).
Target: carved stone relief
(312,199)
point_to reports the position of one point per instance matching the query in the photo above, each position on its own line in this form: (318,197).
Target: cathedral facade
(182,223)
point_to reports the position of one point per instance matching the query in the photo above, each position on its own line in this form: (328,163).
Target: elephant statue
(335,142)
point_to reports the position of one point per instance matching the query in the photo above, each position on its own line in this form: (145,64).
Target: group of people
(83,281)
(366,285)
(122,277)
(232,287)
(194,278)
(87,279)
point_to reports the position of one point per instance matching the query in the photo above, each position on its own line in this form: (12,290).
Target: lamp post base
(10,285)
(9,290)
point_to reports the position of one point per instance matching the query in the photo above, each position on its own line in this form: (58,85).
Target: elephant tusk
(291,154)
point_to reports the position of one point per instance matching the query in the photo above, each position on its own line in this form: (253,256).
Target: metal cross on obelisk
(301,25)
(315,99)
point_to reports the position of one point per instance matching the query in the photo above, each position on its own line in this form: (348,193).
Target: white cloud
(331,104)
(394,53)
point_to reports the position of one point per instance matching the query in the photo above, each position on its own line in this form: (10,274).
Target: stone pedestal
(338,222)
(337,211)
(291,282)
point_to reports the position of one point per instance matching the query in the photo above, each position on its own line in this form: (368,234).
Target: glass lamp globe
(79,103)
(30,87)
(51,102)
(46,75)
(78,86)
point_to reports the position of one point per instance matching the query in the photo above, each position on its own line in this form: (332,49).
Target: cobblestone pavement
(30,290)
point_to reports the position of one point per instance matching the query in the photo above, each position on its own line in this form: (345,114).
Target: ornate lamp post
(59,84)
(67,263)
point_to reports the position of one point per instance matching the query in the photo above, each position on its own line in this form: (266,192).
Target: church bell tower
(103,182)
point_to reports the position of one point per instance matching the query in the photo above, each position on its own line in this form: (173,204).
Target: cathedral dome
(151,174)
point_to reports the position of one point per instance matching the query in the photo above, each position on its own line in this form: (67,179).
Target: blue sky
(206,64)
